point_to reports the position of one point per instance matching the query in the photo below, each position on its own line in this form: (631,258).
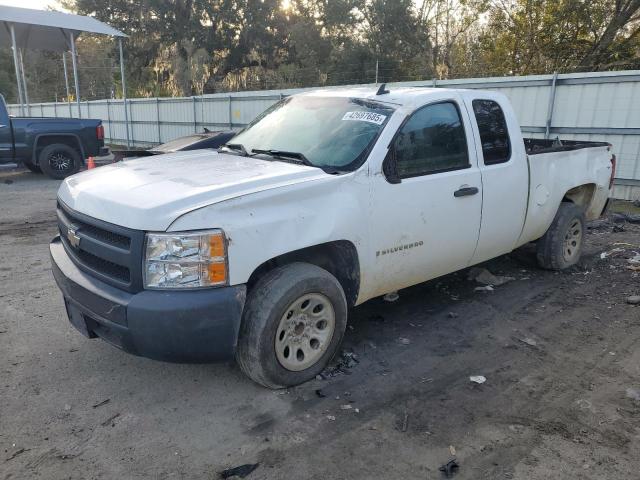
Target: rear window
(494,136)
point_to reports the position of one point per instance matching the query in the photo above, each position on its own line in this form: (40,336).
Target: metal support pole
(24,83)
(376,70)
(195,118)
(17,66)
(124,92)
(109,119)
(230,115)
(552,100)
(66,80)
(158,120)
(74,62)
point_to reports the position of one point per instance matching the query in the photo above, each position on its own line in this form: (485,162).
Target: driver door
(427,205)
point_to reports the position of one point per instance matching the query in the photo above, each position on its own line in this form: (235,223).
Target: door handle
(465,191)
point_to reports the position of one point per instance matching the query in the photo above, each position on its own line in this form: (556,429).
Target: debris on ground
(100,404)
(449,468)
(633,393)
(404,425)
(452,449)
(240,471)
(479,379)
(635,260)
(625,217)
(331,417)
(391,297)
(604,255)
(110,420)
(633,300)
(320,394)
(346,406)
(346,361)
(18,452)
(67,407)
(484,276)
(452,315)
(404,341)
(529,341)
(486,288)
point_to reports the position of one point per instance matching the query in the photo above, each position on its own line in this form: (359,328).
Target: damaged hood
(150,193)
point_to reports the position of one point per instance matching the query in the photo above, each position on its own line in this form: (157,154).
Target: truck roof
(405,96)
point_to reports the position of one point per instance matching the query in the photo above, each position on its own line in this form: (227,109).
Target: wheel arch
(45,139)
(339,257)
(586,196)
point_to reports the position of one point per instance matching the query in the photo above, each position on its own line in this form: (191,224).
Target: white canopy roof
(44,30)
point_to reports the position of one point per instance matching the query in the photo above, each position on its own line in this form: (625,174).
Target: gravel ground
(559,352)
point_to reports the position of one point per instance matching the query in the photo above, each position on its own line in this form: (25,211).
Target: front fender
(267,224)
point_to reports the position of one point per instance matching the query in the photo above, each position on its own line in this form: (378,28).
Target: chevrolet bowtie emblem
(73,237)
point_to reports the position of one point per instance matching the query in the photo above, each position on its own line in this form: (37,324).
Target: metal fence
(600,106)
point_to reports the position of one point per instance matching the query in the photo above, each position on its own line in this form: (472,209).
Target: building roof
(45,30)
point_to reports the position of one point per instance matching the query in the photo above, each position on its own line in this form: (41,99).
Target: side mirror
(390,167)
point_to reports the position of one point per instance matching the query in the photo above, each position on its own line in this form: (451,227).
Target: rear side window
(433,140)
(494,136)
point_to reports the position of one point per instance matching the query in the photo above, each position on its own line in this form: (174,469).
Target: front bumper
(179,326)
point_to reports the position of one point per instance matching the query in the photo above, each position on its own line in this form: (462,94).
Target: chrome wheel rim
(59,161)
(305,332)
(572,240)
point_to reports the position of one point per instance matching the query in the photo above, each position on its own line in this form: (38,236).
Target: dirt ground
(560,353)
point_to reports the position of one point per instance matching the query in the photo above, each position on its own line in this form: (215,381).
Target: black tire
(31,166)
(267,304)
(561,246)
(59,161)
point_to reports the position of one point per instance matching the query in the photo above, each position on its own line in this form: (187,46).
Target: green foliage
(187,47)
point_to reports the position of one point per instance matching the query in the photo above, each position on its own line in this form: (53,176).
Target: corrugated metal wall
(602,106)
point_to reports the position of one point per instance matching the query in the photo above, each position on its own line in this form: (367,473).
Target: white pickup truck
(326,200)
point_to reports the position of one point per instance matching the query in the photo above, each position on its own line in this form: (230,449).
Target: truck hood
(150,193)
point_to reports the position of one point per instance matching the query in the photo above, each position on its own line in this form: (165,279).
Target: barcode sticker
(370,117)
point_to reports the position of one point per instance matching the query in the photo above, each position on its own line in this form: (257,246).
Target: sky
(35,4)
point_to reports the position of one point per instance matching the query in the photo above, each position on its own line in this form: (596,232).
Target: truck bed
(535,146)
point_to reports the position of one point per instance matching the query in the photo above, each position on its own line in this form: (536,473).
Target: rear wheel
(292,325)
(561,246)
(59,160)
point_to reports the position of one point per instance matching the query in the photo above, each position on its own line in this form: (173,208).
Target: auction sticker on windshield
(370,117)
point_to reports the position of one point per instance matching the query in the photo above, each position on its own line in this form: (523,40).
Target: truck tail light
(613,171)
(100,132)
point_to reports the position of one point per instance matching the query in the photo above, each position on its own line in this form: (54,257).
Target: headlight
(185,260)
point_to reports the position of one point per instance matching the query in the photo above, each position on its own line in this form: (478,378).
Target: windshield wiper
(234,147)
(284,154)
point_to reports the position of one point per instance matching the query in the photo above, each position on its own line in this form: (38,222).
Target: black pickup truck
(55,146)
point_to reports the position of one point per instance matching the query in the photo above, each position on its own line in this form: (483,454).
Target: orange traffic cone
(91,163)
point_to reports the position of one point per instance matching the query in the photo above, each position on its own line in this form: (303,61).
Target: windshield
(329,132)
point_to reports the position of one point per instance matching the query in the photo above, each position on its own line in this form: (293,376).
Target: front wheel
(561,246)
(292,325)
(59,161)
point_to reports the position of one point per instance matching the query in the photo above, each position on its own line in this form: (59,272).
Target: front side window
(330,132)
(433,140)
(494,136)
